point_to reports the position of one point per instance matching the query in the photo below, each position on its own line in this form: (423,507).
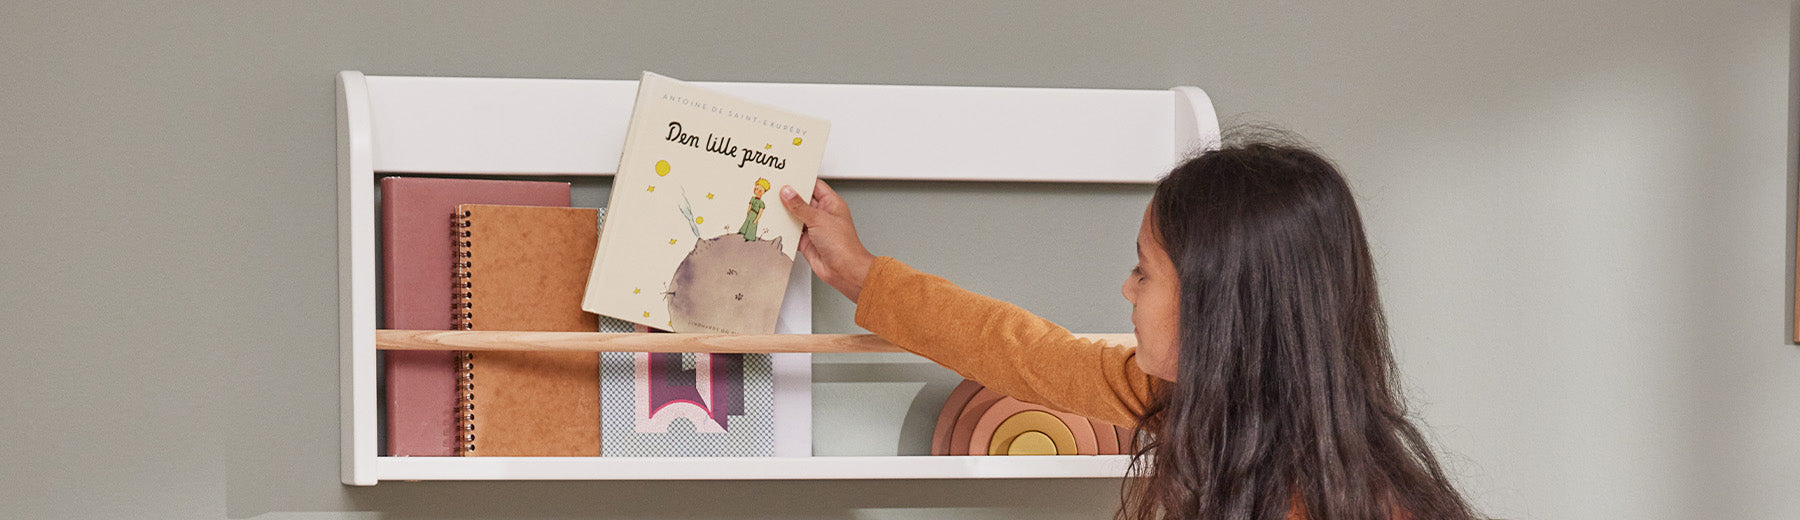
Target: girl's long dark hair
(1285,395)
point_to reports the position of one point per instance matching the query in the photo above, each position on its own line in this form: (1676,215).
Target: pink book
(416,290)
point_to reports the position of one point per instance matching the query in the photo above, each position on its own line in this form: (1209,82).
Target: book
(522,268)
(710,405)
(698,240)
(419,387)
(687,404)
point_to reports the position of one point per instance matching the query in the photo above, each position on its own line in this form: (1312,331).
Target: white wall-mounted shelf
(504,127)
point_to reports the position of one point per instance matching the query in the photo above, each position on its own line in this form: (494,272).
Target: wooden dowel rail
(651,342)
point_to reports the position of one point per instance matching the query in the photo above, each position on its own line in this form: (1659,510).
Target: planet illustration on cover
(729,284)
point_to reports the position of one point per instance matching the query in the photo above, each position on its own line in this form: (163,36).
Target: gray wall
(1581,213)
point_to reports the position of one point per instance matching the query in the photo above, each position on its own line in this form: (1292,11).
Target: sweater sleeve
(1001,345)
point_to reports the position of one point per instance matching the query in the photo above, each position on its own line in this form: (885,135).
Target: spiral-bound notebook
(524,268)
(419,386)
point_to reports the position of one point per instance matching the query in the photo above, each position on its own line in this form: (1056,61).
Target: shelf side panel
(356,283)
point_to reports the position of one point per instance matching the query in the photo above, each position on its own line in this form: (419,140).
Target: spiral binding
(462,311)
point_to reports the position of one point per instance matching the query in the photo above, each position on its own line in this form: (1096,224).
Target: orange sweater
(1006,348)
(1001,345)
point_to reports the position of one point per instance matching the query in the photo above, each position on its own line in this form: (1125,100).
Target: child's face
(759,190)
(1154,291)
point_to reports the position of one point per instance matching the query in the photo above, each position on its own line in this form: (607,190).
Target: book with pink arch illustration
(696,239)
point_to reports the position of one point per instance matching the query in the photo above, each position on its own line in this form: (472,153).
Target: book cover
(419,387)
(522,268)
(698,241)
(686,405)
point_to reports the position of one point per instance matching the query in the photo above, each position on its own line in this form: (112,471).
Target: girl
(1261,369)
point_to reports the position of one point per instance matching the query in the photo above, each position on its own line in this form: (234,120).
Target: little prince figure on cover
(755,214)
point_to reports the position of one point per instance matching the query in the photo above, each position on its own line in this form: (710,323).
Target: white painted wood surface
(749,468)
(501,126)
(497,126)
(356,283)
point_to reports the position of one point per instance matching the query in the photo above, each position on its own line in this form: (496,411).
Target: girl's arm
(1001,345)
(988,340)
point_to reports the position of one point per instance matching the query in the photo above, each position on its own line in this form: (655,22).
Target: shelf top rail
(508,126)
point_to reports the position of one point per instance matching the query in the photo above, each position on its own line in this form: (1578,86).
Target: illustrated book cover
(697,240)
(711,405)
(419,387)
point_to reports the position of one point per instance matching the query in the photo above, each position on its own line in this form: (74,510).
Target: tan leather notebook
(525,268)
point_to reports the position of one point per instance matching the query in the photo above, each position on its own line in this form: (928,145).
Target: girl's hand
(829,242)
